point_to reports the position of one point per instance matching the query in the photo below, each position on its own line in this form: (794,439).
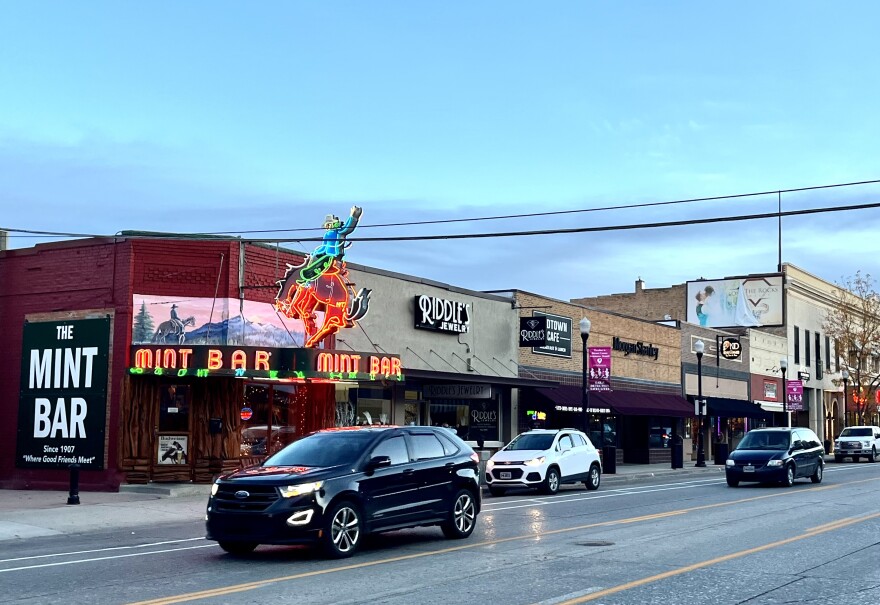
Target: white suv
(544,459)
(856,441)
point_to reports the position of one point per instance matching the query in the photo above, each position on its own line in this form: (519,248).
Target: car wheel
(551,481)
(342,531)
(463,517)
(732,482)
(817,476)
(789,476)
(855,458)
(838,459)
(595,477)
(496,491)
(238,548)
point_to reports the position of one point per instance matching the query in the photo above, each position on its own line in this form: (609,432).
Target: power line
(564,212)
(404,238)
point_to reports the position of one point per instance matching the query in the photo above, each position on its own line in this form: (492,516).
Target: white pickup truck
(857,441)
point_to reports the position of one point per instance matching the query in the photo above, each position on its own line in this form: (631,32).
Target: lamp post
(699,347)
(844,376)
(783,365)
(584,325)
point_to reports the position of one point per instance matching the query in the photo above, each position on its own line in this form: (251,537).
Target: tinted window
(527,441)
(765,440)
(394,448)
(449,447)
(857,432)
(427,446)
(324,449)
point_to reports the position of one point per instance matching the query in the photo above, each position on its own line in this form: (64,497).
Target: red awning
(627,403)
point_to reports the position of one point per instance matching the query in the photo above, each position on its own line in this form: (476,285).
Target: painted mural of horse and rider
(174,328)
(320,284)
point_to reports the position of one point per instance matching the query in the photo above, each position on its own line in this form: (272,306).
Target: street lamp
(699,347)
(584,325)
(783,365)
(844,376)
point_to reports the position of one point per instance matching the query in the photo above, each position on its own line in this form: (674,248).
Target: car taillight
(475,457)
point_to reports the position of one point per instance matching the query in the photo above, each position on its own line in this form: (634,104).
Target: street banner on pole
(600,368)
(795,390)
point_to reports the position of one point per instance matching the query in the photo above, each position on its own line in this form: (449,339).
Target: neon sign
(260,362)
(321,283)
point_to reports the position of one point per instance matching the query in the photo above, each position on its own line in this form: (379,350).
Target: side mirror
(377,462)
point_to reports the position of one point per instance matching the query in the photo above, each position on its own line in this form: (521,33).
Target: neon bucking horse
(320,284)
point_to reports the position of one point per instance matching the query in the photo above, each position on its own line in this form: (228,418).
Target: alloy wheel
(345,529)
(464,513)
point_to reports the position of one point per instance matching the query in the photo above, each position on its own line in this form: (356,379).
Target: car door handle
(408,472)
(450,464)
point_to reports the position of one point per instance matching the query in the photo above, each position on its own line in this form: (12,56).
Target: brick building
(643,408)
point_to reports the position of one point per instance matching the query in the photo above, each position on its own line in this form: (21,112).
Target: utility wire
(405,238)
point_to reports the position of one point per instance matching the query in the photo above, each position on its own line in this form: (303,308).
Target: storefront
(632,375)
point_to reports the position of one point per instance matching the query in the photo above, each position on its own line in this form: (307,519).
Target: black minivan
(334,486)
(776,455)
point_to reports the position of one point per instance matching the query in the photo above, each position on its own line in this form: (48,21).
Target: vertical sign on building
(795,394)
(600,368)
(558,336)
(63,402)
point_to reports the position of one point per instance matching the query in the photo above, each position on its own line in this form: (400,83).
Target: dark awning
(733,408)
(512,381)
(629,403)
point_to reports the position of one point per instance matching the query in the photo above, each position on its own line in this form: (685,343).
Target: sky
(245,117)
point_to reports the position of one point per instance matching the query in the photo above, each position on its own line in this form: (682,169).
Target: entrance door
(172,461)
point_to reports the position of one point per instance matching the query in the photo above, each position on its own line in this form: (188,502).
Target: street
(692,541)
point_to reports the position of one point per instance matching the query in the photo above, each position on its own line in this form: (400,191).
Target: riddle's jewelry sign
(441,315)
(63,404)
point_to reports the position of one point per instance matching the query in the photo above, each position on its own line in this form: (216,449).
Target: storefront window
(472,421)
(660,436)
(373,406)
(345,404)
(602,430)
(255,420)
(288,413)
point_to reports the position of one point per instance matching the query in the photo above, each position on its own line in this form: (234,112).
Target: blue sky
(228,116)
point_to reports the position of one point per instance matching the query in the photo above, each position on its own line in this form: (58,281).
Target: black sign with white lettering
(532,331)
(441,315)
(558,335)
(63,403)
(730,347)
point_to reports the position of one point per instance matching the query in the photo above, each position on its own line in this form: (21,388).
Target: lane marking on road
(810,533)
(94,550)
(237,588)
(126,556)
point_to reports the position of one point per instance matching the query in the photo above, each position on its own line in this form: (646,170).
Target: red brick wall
(62,279)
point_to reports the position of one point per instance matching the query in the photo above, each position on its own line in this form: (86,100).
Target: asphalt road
(690,542)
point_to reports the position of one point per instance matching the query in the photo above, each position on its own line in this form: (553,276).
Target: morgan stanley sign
(63,405)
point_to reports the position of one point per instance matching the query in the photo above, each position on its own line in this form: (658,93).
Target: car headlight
(775,463)
(214,489)
(867,444)
(535,461)
(730,462)
(490,465)
(303,488)
(837,444)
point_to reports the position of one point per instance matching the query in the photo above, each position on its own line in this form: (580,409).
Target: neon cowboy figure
(331,249)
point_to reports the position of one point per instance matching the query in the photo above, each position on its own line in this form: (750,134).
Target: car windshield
(323,450)
(858,432)
(765,440)
(527,441)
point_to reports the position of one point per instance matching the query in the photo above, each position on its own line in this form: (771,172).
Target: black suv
(776,454)
(334,486)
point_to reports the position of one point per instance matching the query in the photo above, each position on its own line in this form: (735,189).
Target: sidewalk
(31,513)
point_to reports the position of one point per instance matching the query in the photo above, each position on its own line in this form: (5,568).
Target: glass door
(174,434)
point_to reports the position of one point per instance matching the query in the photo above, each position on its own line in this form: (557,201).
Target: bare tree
(854,324)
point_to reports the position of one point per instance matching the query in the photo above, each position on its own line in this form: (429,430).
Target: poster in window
(173,449)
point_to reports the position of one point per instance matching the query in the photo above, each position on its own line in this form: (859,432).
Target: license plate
(504,475)
(749,469)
